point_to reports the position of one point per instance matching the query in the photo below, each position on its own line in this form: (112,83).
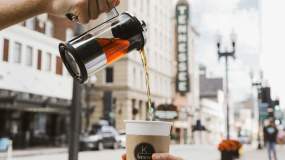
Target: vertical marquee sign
(182,17)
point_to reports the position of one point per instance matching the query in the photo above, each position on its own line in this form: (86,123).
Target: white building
(211,111)
(31,64)
(35,89)
(213,119)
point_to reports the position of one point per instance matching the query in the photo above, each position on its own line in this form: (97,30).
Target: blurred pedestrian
(159,156)
(13,12)
(270,138)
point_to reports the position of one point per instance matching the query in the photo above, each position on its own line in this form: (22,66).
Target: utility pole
(75,115)
(226,54)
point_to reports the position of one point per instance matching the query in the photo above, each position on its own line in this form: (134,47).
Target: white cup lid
(152,128)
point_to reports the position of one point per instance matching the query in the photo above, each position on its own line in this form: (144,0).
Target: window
(114,107)
(39,64)
(30,23)
(49,29)
(30,56)
(59,68)
(6,50)
(48,62)
(141,110)
(109,75)
(68,34)
(134,109)
(134,76)
(17,52)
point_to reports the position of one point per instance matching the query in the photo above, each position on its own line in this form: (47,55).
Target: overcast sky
(222,17)
(260,28)
(273,56)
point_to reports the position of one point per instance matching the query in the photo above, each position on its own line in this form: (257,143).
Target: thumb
(124,157)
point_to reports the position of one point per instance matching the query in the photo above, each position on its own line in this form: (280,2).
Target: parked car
(100,137)
(244,140)
(4,144)
(122,138)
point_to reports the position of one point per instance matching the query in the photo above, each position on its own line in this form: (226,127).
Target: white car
(122,138)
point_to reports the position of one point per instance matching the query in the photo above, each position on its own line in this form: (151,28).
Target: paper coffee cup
(147,137)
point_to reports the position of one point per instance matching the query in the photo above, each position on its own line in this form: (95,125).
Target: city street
(197,152)
(253,154)
(141,73)
(187,152)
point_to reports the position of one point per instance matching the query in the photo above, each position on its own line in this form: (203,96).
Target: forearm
(15,11)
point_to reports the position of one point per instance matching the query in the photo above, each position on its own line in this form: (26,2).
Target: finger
(103,5)
(115,2)
(164,156)
(111,3)
(124,157)
(81,10)
(93,9)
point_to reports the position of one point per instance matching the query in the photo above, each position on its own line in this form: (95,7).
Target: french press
(102,45)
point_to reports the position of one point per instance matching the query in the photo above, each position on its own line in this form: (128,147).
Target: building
(120,91)
(186,98)
(35,89)
(245,123)
(210,113)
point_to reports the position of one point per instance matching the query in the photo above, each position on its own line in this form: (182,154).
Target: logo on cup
(144,151)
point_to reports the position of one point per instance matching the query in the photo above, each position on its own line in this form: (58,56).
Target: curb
(30,153)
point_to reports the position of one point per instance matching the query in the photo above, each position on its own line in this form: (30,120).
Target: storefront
(180,129)
(33,121)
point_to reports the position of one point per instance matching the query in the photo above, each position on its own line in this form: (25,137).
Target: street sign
(263,113)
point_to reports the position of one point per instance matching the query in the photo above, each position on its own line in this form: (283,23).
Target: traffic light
(265,95)
(272,108)
(276,102)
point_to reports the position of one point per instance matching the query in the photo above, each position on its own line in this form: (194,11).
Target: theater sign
(182,77)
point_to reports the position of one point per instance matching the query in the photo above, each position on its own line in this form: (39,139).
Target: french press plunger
(104,44)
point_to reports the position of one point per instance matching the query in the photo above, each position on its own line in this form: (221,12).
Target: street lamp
(75,115)
(259,86)
(227,54)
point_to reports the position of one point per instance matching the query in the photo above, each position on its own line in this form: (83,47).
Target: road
(196,152)
(187,152)
(253,154)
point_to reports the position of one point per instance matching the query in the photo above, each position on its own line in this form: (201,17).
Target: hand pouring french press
(104,44)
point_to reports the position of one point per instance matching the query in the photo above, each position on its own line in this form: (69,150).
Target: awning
(166,112)
(29,105)
(181,124)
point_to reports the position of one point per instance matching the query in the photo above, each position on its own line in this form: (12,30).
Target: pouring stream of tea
(150,109)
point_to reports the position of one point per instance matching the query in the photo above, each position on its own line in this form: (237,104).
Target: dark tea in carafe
(102,45)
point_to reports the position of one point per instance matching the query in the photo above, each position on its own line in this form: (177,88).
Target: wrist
(43,5)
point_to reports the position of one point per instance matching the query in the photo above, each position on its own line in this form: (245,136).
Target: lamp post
(259,86)
(75,115)
(227,54)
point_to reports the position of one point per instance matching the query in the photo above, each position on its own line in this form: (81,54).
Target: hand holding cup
(159,156)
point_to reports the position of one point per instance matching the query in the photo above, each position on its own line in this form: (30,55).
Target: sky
(224,17)
(273,56)
(260,29)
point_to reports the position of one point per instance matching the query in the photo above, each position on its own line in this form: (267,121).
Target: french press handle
(110,15)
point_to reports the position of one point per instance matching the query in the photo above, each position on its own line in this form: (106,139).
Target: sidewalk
(38,151)
(254,154)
